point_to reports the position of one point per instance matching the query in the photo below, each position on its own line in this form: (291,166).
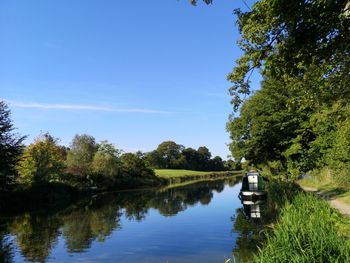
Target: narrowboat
(253,187)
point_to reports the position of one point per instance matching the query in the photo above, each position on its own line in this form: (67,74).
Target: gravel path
(342,207)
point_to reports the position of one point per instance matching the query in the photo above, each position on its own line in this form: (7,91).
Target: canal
(200,222)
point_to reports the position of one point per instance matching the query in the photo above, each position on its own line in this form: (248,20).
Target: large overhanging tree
(283,38)
(299,118)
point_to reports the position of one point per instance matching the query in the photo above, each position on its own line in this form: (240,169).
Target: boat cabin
(253,186)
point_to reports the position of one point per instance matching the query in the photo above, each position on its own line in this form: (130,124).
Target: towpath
(342,207)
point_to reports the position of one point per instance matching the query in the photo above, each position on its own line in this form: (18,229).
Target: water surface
(200,222)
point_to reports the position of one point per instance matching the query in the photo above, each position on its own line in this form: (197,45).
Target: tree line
(170,155)
(87,163)
(84,164)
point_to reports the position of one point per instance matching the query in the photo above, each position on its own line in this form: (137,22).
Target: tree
(153,159)
(233,165)
(169,154)
(204,153)
(204,156)
(133,166)
(36,235)
(106,164)
(285,38)
(192,159)
(11,146)
(80,156)
(42,161)
(216,164)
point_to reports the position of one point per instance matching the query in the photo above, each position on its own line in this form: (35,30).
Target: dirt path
(342,207)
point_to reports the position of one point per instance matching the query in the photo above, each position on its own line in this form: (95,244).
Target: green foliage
(80,156)
(167,154)
(298,118)
(307,232)
(286,37)
(35,236)
(265,126)
(102,165)
(170,155)
(10,148)
(106,165)
(133,166)
(43,161)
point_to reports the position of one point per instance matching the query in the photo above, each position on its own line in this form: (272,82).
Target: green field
(172,173)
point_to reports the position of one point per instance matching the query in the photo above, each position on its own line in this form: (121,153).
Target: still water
(201,222)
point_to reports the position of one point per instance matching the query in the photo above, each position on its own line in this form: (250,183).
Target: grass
(307,230)
(173,173)
(328,187)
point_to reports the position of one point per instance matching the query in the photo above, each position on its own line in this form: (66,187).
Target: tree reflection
(170,202)
(248,237)
(36,235)
(96,218)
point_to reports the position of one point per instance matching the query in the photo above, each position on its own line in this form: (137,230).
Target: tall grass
(308,230)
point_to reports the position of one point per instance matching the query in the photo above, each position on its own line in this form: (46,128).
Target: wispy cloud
(80,107)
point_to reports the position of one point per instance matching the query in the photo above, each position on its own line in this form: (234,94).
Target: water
(195,223)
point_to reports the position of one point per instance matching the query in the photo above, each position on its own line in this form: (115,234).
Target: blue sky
(133,72)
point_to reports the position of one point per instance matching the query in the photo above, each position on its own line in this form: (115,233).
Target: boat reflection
(252,209)
(252,194)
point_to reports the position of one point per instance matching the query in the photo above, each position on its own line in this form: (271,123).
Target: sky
(135,73)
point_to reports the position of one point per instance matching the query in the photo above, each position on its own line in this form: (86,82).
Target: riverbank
(57,195)
(336,194)
(306,229)
(326,188)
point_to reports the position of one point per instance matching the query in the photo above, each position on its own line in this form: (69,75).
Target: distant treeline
(170,155)
(86,164)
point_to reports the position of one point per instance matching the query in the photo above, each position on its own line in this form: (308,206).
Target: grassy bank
(324,183)
(306,230)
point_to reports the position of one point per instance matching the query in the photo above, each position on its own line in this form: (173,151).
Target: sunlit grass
(327,187)
(308,230)
(173,173)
